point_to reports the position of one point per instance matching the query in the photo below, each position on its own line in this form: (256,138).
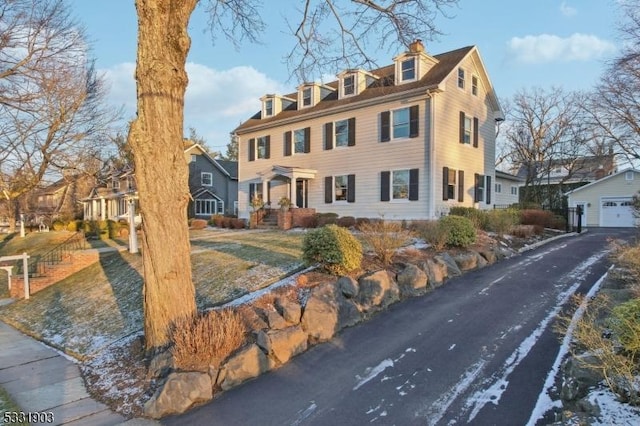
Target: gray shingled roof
(384,86)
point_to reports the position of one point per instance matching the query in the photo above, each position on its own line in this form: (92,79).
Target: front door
(301,193)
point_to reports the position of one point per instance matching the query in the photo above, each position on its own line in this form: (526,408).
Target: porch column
(265,191)
(103,209)
(94,207)
(294,191)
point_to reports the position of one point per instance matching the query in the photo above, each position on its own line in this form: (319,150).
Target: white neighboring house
(506,188)
(407,141)
(608,202)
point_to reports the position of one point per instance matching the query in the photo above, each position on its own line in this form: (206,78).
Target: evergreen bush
(334,248)
(460,230)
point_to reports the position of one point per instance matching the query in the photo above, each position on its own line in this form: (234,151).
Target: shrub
(58,225)
(460,230)
(384,238)
(103,225)
(206,339)
(198,224)
(502,221)
(238,223)
(523,231)
(74,225)
(433,233)
(625,324)
(361,221)
(226,222)
(323,219)
(309,221)
(334,248)
(346,221)
(217,219)
(558,222)
(542,218)
(477,217)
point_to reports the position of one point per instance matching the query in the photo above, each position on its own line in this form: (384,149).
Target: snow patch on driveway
(373,372)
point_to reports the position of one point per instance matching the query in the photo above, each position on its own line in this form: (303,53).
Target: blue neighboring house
(213,184)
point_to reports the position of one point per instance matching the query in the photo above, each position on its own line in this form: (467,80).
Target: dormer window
(268,107)
(409,69)
(306,97)
(348,85)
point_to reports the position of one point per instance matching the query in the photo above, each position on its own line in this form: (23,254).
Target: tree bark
(156,139)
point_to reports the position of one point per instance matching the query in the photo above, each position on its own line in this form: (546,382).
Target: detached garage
(608,202)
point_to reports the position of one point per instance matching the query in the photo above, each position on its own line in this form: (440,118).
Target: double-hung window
(468,124)
(451,184)
(461,78)
(340,184)
(261,147)
(268,107)
(348,85)
(342,133)
(206,179)
(340,188)
(498,188)
(400,184)
(408,69)
(401,123)
(298,141)
(306,96)
(474,85)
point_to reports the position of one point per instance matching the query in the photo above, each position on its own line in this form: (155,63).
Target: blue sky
(523,44)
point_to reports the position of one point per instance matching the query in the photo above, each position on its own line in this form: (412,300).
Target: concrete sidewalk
(39,378)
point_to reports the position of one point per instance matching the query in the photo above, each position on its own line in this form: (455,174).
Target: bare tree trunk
(161,171)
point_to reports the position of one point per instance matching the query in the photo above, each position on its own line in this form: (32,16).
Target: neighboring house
(407,141)
(112,198)
(547,182)
(61,199)
(213,184)
(506,188)
(609,201)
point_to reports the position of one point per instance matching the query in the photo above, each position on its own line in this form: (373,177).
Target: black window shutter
(328,189)
(352,132)
(307,139)
(460,185)
(252,149)
(385,122)
(488,190)
(414,182)
(476,188)
(351,188)
(461,126)
(414,123)
(287,143)
(445,183)
(267,147)
(328,136)
(385,178)
(475,132)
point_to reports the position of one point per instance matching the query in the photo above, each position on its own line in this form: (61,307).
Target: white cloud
(567,10)
(549,48)
(215,102)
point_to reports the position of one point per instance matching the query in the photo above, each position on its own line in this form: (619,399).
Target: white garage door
(617,212)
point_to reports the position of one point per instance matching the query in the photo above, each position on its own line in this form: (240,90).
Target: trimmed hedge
(334,248)
(460,230)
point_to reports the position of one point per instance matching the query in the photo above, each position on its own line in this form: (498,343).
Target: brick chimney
(416,46)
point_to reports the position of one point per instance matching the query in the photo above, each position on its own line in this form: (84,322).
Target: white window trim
(266,113)
(293,141)
(211,202)
(415,69)
(202,175)
(498,188)
(628,176)
(355,85)
(391,125)
(399,200)
(194,157)
(335,135)
(257,147)
(468,119)
(464,78)
(310,89)
(516,190)
(333,188)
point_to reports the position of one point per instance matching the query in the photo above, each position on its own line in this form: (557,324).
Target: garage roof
(601,180)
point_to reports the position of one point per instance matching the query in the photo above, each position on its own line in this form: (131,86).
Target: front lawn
(103,303)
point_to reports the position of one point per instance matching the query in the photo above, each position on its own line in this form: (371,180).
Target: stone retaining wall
(289,327)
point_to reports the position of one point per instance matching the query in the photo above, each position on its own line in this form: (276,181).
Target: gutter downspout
(432,157)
